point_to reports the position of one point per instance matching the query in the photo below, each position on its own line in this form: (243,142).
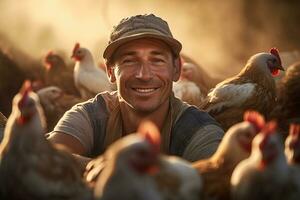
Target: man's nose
(144,72)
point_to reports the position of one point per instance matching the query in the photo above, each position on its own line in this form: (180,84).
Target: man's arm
(74,132)
(71,143)
(204,143)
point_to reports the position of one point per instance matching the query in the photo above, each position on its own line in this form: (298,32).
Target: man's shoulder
(192,122)
(194,116)
(104,100)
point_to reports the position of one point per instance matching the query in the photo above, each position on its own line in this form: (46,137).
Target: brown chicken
(58,74)
(55,103)
(235,146)
(253,88)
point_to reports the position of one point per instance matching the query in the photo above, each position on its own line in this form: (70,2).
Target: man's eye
(128,61)
(158,60)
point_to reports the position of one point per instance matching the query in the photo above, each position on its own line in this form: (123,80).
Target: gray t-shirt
(194,136)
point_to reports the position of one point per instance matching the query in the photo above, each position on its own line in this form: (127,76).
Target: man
(142,58)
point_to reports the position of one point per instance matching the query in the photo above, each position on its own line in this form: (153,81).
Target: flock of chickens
(258,158)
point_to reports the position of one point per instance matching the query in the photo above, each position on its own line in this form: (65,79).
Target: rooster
(253,88)
(55,103)
(137,158)
(235,147)
(89,79)
(30,167)
(58,74)
(265,174)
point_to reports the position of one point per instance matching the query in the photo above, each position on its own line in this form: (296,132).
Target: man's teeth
(144,90)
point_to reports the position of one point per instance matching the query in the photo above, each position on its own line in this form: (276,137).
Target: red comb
(294,129)
(275,52)
(26,88)
(76,47)
(150,132)
(267,131)
(255,118)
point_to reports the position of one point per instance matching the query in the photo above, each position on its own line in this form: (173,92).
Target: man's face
(144,71)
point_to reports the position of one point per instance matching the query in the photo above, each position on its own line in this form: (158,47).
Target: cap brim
(112,47)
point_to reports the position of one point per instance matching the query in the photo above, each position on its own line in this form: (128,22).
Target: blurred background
(219,35)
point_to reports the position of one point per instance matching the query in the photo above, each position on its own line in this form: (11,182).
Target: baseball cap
(141,26)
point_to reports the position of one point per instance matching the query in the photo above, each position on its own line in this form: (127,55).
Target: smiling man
(142,58)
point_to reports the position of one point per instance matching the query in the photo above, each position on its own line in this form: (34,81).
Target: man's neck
(132,118)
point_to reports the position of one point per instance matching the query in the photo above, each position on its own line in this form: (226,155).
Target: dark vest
(190,121)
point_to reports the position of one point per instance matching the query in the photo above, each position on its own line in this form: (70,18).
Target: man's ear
(177,68)
(110,72)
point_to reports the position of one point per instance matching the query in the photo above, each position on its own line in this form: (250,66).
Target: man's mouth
(144,90)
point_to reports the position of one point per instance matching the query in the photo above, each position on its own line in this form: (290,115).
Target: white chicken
(30,167)
(188,92)
(89,79)
(265,174)
(136,157)
(253,88)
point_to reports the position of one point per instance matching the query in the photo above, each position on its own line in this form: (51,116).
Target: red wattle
(275,72)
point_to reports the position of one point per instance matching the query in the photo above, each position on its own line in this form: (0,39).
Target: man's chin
(143,109)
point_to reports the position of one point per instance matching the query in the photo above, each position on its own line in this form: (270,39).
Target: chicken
(55,103)
(235,147)
(177,180)
(265,174)
(188,92)
(287,109)
(89,79)
(253,88)
(191,71)
(59,74)
(3,120)
(137,158)
(30,167)
(133,157)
